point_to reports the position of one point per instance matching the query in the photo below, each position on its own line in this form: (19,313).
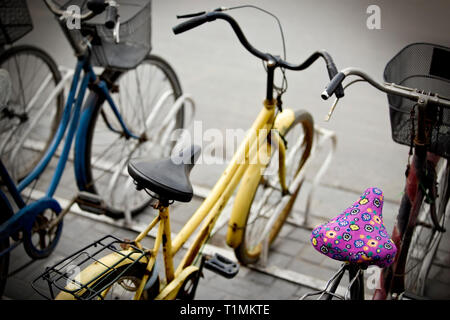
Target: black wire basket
(425,67)
(64,275)
(15,20)
(134,34)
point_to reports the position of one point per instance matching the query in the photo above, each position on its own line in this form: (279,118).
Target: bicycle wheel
(27,125)
(149,91)
(4,265)
(5,213)
(126,284)
(267,195)
(40,242)
(425,238)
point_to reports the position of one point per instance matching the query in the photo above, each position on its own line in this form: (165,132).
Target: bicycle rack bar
(158,105)
(170,113)
(169,122)
(67,76)
(323,135)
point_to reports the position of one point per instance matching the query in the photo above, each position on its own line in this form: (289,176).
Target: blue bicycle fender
(25,217)
(80,141)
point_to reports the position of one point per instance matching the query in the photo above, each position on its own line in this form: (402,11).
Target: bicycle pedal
(222,266)
(90,202)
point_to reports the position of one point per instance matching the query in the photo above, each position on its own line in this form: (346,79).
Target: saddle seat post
(355,289)
(164,216)
(356,281)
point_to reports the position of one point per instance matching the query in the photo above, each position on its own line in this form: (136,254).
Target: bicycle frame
(393,279)
(420,176)
(71,121)
(210,209)
(247,160)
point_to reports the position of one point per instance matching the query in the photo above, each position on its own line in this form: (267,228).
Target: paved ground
(291,251)
(210,61)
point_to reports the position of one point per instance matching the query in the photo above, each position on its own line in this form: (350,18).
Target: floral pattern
(365,239)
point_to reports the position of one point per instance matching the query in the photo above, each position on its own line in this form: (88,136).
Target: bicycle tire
(425,239)
(5,214)
(18,60)
(136,271)
(94,153)
(248,253)
(47,240)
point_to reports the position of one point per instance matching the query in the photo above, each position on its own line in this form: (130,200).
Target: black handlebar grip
(332,72)
(191,23)
(96,6)
(111,17)
(333,85)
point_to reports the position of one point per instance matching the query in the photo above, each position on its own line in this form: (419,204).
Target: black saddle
(168,178)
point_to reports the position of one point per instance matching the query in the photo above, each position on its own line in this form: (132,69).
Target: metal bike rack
(321,136)
(162,131)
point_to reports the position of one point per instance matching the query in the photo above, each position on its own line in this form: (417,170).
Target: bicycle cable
(328,117)
(284,85)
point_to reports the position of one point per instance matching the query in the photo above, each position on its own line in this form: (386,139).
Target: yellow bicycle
(279,138)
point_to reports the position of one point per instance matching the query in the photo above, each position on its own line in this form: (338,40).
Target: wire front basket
(65,275)
(425,67)
(15,20)
(134,33)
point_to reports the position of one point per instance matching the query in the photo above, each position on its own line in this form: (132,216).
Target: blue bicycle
(141,91)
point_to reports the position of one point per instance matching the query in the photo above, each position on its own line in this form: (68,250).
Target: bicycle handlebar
(391,88)
(211,16)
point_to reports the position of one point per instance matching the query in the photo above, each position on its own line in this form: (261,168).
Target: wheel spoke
(425,240)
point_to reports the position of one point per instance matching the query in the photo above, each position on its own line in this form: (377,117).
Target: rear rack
(64,275)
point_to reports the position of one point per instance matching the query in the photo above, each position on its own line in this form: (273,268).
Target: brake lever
(190,15)
(116,31)
(330,113)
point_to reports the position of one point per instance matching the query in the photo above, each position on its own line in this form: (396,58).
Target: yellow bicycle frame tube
(265,117)
(251,180)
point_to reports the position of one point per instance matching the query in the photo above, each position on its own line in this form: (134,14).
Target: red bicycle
(417,81)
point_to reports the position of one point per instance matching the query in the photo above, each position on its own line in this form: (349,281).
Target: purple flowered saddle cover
(357,235)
